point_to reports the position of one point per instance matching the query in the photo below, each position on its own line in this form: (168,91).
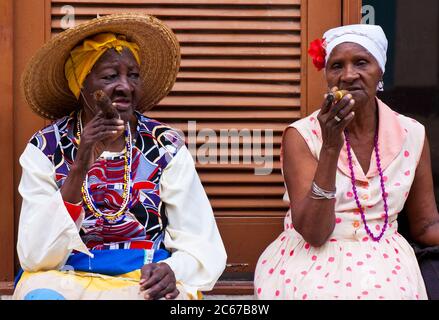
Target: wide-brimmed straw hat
(44,83)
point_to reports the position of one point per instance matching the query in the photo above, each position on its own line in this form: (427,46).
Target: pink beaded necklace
(354,189)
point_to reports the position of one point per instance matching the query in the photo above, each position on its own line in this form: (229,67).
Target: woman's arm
(46,234)
(314,219)
(421,204)
(198,255)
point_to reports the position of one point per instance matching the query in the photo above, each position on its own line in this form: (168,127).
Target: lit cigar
(104,103)
(337,95)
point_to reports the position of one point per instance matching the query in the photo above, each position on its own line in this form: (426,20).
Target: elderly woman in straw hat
(112,205)
(349,169)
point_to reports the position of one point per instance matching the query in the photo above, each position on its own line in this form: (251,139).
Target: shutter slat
(196,13)
(217,126)
(185,2)
(221,38)
(189,115)
(247,202)
(276,139)
(241,64)
(242,52)
(241,76)
(234,178)
(245,190)
(252,212)
(235,38)
(215,25)
(230,102)
(255,88)
(237,152)
(232,166)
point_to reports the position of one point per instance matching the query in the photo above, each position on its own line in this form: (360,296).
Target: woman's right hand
(331,128)
(96,136)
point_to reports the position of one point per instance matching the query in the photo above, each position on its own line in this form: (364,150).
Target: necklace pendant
(116,220)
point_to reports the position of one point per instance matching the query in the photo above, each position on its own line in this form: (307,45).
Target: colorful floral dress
(351,265)
(169,218)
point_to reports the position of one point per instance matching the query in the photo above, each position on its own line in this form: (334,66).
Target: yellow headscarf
(83,57)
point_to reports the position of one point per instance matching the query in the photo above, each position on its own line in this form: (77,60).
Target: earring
(381,85)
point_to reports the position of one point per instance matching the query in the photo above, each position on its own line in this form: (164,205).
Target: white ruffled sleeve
(198,254)
(46,234)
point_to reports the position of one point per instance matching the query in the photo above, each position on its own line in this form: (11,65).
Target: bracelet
(75,204)
(319,193)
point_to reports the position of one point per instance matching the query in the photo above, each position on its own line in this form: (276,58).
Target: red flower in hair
(318,53)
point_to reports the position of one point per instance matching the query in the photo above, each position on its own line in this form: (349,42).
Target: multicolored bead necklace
(127,185)
(354,189)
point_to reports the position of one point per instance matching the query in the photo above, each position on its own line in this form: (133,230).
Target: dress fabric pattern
(350,265)
(155,145)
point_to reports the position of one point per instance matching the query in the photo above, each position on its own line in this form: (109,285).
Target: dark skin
(118,76)
(352,68)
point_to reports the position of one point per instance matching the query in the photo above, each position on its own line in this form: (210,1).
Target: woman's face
(351,67)
(118,76)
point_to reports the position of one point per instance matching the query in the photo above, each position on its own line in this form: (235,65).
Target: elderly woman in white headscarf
(349,169)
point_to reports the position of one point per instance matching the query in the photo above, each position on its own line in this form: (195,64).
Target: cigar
(104,103)
(337,95)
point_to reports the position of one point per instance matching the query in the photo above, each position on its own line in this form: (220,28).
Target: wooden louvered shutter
(240,69)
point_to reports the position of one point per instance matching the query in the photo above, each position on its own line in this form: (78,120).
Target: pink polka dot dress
(350,265)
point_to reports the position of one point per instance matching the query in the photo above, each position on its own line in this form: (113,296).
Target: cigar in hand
(337,95)
(104,103)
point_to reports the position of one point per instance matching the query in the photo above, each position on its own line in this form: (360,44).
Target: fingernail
(349,96)
(120,122)
(352,101)
(146,296)
(113,132)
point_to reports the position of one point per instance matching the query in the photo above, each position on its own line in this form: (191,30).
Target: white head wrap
(370,37)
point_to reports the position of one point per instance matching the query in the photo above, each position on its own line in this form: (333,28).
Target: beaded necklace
(354,189)
(119,215)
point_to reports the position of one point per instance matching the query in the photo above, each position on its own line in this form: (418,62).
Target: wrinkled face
(351,67)
(118,76)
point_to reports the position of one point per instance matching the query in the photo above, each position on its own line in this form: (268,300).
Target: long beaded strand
(383,190)
(86,190)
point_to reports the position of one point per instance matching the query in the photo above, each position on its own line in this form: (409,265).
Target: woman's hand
(95,137)
(331,128)
(157,281)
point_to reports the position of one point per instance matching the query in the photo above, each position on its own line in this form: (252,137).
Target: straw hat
(44,83)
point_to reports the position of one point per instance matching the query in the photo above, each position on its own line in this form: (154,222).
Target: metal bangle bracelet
(319,193)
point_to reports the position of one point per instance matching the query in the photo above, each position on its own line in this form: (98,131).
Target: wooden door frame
(7,243)
(19,42)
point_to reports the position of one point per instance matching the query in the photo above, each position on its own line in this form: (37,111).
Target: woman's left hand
(157,281)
